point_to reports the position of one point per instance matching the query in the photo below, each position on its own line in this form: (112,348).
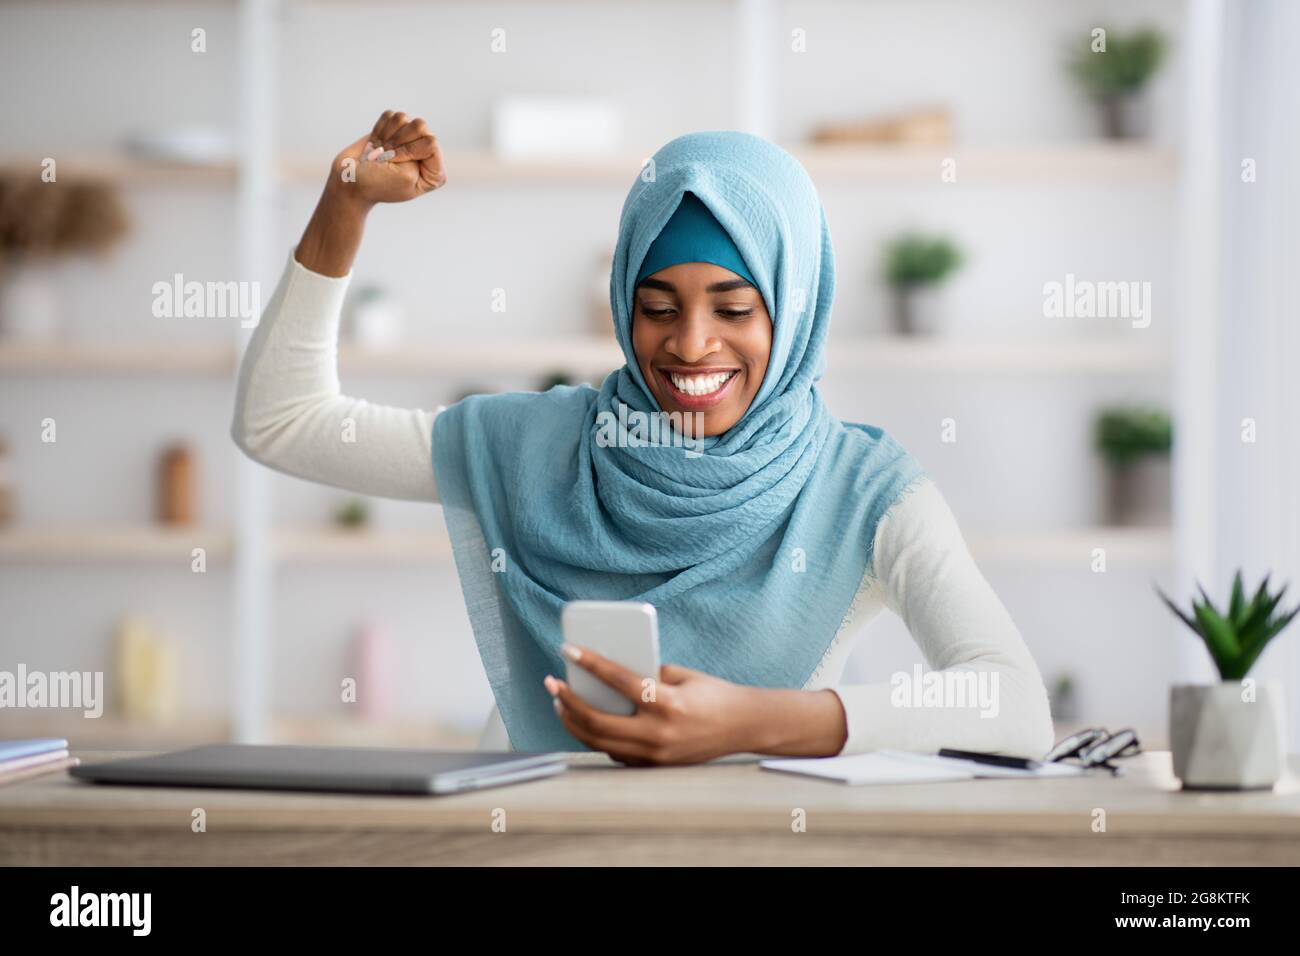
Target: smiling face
(702,337)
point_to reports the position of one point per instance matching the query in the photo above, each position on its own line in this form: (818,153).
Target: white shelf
(126,170)
(163,545)
(1096,161)
(583,355)
(334,546)
(589,356)
(866,164)
(113,358)
(324,546)
(113,544)
(1047,162)
(1124,546)
(894,353)
(580,354)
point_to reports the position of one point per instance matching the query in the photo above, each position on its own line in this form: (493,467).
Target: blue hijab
(751,544)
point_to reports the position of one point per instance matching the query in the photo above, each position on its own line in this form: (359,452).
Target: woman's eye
(655,313)
(736,314)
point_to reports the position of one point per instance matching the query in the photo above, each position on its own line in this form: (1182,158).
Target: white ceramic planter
(1222,742)
(376,320)
(921,310)
(30,304)
(1126,116)
(1140,493)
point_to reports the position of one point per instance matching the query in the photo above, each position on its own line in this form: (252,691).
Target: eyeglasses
(1096,747)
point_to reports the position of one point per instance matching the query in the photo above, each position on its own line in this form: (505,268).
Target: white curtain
(1257,486)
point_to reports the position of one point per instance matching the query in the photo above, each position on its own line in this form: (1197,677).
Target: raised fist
(397,160)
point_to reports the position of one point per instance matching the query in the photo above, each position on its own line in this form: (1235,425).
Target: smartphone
(623,631)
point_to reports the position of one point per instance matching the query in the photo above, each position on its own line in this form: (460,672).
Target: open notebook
(898,766)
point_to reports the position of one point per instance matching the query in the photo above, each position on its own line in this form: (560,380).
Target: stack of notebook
(21,759)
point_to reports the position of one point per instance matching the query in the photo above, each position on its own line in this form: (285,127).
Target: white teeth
(700,384)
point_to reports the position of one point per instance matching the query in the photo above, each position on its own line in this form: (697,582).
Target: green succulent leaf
(1255,647)
(1259,615)
(1219,638)
(1238,603)
(1177,610)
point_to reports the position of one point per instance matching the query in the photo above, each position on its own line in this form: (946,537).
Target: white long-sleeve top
(289,410)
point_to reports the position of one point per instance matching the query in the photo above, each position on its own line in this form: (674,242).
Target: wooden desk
(724,813)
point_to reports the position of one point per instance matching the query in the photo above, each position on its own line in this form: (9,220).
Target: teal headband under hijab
(693,234)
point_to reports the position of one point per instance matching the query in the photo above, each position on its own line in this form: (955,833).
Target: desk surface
(726,812)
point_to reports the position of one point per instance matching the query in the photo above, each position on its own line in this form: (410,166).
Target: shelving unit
(253,544)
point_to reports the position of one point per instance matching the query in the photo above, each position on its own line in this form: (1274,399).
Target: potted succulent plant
(915,268)
(1135,442)
(1230,735)
(1113,69)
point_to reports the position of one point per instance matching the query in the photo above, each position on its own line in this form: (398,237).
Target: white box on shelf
(555,127)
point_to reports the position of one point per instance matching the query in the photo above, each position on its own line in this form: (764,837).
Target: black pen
(997,760)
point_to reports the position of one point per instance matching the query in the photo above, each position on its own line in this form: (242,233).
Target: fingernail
(372,152)
(387,155)
(571,652)
(558,706)
(551,686)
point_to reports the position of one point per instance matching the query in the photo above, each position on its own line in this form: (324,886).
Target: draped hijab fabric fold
(752,547)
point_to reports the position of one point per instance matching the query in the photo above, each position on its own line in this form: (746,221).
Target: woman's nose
(694,338)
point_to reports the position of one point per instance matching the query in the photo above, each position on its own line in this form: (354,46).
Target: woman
(760,526)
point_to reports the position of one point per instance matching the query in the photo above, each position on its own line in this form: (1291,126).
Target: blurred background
(1063,282)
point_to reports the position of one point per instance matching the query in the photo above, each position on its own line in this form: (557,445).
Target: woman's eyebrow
(729,284)
(724,286)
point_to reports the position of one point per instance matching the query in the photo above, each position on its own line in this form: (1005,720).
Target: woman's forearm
(795,723)
(330,242)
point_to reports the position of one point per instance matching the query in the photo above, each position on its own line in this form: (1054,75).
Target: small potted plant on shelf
(916,268)
(1135,443)
(1062,698)
(352,514)
(1113,69)
(1230,735)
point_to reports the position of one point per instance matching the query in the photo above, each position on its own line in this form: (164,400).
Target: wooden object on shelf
(929,126)
(177,491)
